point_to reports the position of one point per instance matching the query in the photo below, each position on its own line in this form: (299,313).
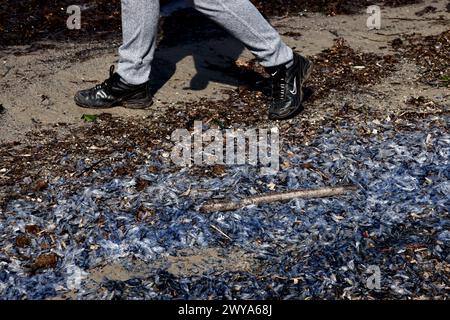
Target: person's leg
(129,86)
(288,70)
(139,28)
(245,22)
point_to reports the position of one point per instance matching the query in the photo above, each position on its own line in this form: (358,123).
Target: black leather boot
(287,88)
(115,92)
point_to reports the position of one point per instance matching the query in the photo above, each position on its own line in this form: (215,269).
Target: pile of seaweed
(343,68)
(23,22)
(107,193)
(338,68)
(431,53)
(55,231)
(286,7)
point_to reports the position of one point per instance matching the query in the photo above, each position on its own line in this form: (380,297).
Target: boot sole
(128,104)
(131,104)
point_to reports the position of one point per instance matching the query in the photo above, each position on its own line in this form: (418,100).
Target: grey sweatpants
(239,17)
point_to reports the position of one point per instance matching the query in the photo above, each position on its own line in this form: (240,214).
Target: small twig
(274,197)
(389,34)
(334,33)
(90,168)
(8,69)
(221,232)
(367,38)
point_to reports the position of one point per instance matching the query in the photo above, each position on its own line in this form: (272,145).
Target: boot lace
(279,85)
(106,85)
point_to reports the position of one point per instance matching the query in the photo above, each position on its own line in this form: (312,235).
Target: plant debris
(426,10)
(89,117)
(397,220)
(22,22)
(431,53)
(23,241)
(342,68)
(45,261)
(107,191)
(292,7)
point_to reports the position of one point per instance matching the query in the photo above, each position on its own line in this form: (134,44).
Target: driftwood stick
(221,232)
(274,197)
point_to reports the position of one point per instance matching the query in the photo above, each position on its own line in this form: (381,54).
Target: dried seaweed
(426,10)
(342,68)
(321,248)
(24,22)
(431,53)
(135,205)
(336,7)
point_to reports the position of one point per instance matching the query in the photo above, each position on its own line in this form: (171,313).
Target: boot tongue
(111,71)
(272,70)
(277,70)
